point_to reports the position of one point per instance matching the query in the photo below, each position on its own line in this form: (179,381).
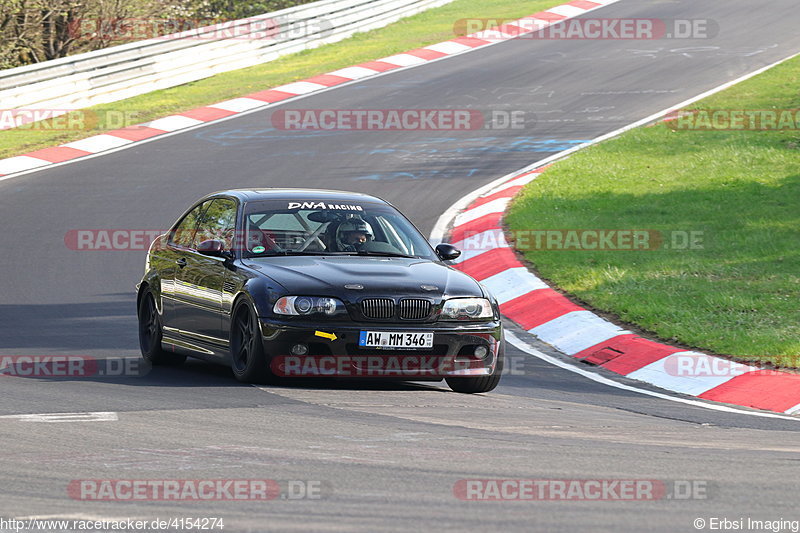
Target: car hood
(379,276)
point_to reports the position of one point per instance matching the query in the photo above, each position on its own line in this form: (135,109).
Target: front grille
(378,307)
(414,309)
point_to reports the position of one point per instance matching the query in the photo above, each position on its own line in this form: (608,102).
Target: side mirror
(213,248)
(447,252)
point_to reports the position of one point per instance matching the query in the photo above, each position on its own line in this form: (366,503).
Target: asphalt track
(388,455)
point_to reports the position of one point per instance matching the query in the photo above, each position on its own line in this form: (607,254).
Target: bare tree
(32,31)
(37,30)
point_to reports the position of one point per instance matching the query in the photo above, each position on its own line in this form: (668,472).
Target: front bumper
(333,351)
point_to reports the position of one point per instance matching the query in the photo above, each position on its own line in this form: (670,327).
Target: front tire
(482,383)
(150,334)
(248,361)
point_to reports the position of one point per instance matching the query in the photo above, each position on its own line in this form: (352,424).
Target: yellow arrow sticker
(329,336)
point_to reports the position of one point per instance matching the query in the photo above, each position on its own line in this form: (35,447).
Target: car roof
(249,195)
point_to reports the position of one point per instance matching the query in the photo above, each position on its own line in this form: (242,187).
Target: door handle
(181,262)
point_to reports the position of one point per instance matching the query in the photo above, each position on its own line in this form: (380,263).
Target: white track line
(64,417)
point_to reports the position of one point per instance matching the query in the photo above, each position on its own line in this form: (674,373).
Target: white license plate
(395,339)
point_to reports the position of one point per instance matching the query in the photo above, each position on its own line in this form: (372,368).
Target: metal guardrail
(132,69)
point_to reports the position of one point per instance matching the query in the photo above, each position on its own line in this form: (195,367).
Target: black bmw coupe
(298,282)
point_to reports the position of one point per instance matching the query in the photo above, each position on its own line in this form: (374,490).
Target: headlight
(307,305)
(467,309)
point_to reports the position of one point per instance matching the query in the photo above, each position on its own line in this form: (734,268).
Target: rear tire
(248,362)
(150,334)
(482,383)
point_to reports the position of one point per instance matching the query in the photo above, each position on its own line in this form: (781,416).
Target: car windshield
(286,227)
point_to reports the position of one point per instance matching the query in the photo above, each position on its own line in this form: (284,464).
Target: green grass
(740,294)
(426,28)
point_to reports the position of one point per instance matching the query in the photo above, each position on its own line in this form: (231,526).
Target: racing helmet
(350,226)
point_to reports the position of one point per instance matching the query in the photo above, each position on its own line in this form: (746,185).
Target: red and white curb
(131,135)
(583,335)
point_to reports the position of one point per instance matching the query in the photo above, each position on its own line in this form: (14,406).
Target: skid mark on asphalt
(461,144)
(694,51)
(516,415)
(182,459)
(339,446)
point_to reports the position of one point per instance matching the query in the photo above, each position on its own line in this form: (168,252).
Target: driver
(353,234)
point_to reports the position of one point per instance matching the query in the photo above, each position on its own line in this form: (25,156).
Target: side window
(183,235)
(218,222)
